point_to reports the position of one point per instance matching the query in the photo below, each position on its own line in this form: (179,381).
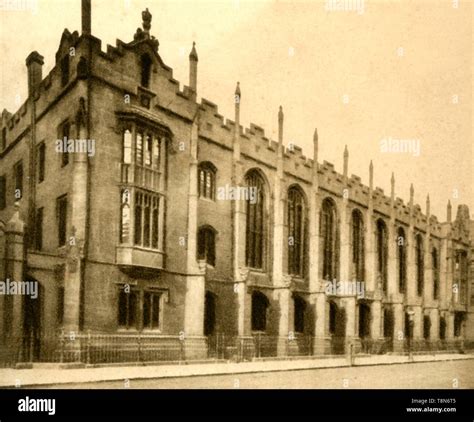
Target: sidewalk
(45,375)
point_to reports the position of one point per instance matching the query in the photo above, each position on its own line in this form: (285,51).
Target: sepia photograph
(236,195)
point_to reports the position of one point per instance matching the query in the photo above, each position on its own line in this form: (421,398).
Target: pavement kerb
(99,375)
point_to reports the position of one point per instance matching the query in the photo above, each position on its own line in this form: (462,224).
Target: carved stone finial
(146,17)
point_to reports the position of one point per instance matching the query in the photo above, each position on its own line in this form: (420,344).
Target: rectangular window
(156,153)
(139,150)
(3,192)
(148,150)
(155,223)
(61,210)
(39,229)
(65,70)
(151,310)
(127,309)
(146,212)
(18,170)
(41,156)
(138,219)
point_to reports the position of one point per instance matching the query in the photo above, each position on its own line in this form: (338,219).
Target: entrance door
(32,318)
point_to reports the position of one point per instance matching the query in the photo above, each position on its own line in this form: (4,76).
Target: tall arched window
(402,260)
(207,245)
(145,64)
(435,266)
(382,253)
(419,264)
(296,232)
(260,305)
(330,239)
(255,221)
(357,245)
(207,180)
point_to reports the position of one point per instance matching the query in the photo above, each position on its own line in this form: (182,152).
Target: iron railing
(98,349)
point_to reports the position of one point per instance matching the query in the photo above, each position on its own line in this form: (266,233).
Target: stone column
(76,234)
(428,263)
(278,244)
(434,329)
(392,246)
(284,301)
(321,341)
(418,327)
(369,238)
(238,229)
(195,271)
(350,307)
(398,327)
(15,231)
(376,321)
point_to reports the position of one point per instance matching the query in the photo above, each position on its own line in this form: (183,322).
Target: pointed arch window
(402,260)
(296,232)
(435,264)
(207,180)
(358,255)
(330,240)
(207,245)
(419,260)
(255,221)
(382,253)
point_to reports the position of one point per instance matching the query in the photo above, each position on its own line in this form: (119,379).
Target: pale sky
(400,70)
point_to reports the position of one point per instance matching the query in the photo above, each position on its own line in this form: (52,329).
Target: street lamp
(411,322)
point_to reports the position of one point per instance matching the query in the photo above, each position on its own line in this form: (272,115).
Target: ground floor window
(151,310)
(139,309)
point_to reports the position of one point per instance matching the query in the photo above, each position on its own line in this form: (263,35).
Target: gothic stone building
(138,236)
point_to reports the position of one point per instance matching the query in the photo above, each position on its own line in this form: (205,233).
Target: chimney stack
(86,17)
(34,63)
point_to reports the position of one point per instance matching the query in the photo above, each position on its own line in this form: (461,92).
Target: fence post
(31,346)
(181,349)
(139,340)
(61,346)
(88,348)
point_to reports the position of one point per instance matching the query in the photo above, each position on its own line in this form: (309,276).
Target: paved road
(444,375)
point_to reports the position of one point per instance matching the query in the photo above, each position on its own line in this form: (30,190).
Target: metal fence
(96,348)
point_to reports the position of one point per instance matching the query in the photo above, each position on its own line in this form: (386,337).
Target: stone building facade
(181,222)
